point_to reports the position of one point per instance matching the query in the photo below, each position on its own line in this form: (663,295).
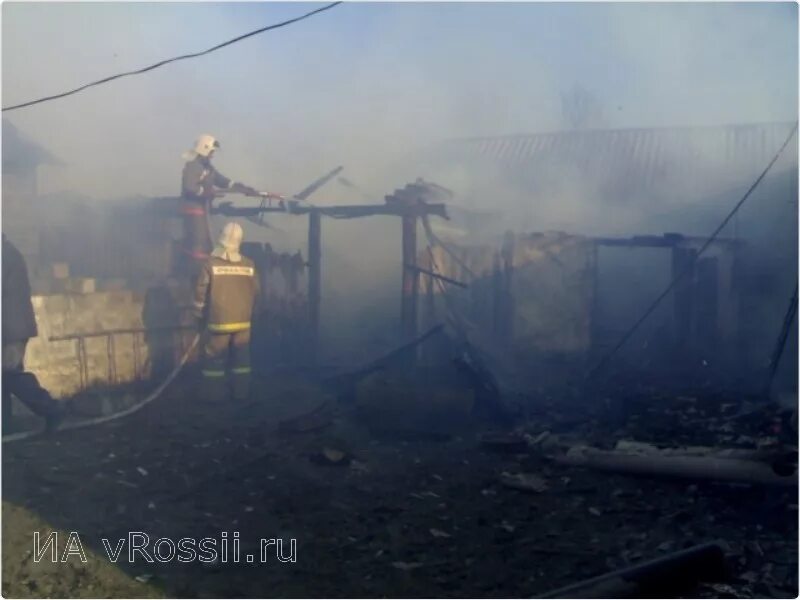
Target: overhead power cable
(170,60)
(775,360)
(690,263)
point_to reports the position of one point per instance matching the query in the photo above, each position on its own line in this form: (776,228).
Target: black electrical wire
(169,60)
(691,262)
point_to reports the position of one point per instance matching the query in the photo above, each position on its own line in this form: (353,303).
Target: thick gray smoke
(365,83)
(373,87)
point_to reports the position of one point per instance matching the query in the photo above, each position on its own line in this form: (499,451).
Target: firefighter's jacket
(199,180)
(226,294)
(19,322)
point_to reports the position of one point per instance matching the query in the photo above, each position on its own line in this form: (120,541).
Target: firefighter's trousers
(197,243)
(226,363)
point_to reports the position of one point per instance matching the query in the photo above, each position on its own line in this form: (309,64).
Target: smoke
(371,87)
(365,83)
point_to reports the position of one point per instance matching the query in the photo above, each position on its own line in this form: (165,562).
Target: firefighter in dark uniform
(200,183)
(19,325)
(226,292)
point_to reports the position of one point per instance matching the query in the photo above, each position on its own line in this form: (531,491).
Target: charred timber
(314,186)
(663,577)
(455,282)
(668,240)
(346,381)
(337,212)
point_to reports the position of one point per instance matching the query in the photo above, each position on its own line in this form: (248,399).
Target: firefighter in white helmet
(226,292)
(201,182)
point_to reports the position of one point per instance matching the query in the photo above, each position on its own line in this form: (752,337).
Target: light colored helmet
(229,242)
(205,144)
(231,236)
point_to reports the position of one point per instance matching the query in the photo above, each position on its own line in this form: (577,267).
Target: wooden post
(498,299)
(429,303)
(314,280)
(509,305)
(594,273)
(706,305)
(683,296)
(408,310)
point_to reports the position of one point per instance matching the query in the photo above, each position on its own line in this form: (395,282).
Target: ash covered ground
(381,506)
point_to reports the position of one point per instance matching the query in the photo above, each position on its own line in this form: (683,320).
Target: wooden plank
(338,212)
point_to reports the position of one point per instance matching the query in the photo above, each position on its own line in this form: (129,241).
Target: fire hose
(23,435)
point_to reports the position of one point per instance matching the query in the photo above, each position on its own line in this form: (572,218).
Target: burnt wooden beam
(508,300)
(314,186)
(423,271)
(353,211)
(667,576)
(780,344)
(410,283)
(497,298)
(683,261)
(668,240)
(348,379)
(314,280)
(429,303)
(594,307)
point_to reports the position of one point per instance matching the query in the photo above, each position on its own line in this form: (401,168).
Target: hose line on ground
(23,435)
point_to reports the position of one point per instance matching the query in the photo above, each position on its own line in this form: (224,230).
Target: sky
(365,84)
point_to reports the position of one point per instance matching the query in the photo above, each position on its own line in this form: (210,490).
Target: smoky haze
(363,84)
(370,87)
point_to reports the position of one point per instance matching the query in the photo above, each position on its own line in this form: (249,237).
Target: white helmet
(231,236)
(229,242)
(204,145)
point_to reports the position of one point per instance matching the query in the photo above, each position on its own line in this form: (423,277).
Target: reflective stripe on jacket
(227,292)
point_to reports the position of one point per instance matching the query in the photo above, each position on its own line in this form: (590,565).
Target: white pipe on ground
(694,467)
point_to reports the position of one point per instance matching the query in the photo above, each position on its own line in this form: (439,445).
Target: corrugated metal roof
(632,163)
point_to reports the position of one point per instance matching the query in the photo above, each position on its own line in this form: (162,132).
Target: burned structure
(670,187)
(528,296)
(495,326)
